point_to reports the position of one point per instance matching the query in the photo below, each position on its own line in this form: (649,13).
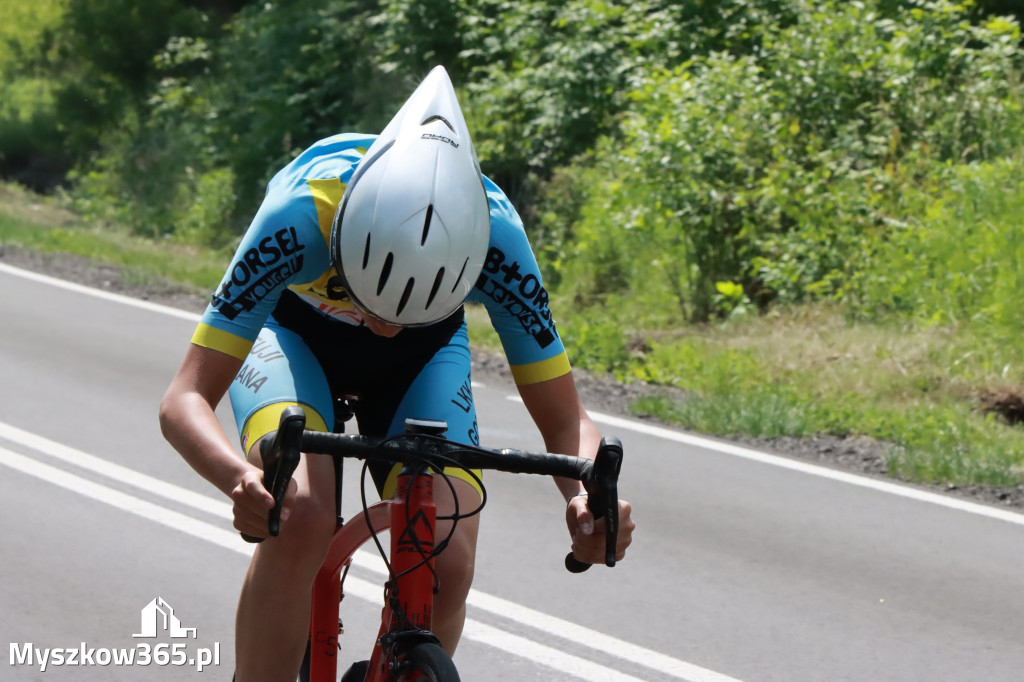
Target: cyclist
(351,281)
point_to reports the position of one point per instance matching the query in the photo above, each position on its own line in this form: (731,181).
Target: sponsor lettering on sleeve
(259,271)
(521,295)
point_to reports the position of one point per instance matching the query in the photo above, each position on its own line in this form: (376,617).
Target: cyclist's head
(412,230)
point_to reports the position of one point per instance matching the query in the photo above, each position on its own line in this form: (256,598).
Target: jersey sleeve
(284,244)
(511,289)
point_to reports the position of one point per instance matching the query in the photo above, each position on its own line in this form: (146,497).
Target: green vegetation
(807,370)
(29,221)
(805,213)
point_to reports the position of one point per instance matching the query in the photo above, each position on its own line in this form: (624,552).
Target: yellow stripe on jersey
(218,339)
(326,197)
(267,419)
(327,194)
(536,372)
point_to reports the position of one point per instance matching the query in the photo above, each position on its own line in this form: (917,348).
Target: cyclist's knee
(309,526)
(456,564)
(302,544)
(455,568)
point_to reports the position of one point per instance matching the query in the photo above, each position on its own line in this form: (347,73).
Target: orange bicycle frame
(411,516)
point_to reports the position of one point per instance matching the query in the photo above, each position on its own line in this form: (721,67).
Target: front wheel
(427,662)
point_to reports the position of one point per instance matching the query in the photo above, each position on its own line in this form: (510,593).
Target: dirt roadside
(600,394)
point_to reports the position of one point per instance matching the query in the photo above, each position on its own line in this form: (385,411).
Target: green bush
(777,171)
(29,125)
(289,74)
(224,116)
(548,79)
(959,255)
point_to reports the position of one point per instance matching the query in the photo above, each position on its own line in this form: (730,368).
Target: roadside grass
(44,224)
(809,370)
(481,333)
(795,372)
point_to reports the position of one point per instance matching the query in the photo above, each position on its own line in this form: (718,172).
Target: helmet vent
(405,296)
(433,289)
(461,272)
(442,119)
(426,224)
(366,251)
(385,272)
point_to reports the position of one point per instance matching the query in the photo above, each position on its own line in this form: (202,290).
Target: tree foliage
(769,177)
(28,118)
(692,159)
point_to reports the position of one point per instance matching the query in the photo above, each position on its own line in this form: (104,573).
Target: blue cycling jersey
(287,248)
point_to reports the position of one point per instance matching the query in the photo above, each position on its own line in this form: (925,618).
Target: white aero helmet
(413,227)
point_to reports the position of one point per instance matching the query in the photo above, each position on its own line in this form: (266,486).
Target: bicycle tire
(428,662)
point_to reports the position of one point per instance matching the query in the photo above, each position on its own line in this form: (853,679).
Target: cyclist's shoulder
(510,284)
(287,241)
(308,188)
(331,158)
(508,235)
(504,216)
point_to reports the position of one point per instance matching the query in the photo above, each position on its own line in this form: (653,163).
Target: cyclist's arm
(566,427)
(563,422)
(190,425)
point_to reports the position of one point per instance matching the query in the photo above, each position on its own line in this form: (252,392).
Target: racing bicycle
(405,649)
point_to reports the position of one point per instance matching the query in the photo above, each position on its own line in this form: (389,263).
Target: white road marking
(548,656)
(814,470)
(99,293)
(115,471)
(122,501)
(598,641)
(475,630)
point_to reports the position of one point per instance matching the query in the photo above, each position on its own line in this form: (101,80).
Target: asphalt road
(745,567)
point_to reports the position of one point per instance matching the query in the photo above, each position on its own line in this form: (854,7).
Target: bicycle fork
(328,588)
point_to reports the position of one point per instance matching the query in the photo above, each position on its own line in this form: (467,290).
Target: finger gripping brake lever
(603,499)
(280,458)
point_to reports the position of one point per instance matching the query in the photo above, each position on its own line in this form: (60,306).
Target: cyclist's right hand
(253,502)
(588,536)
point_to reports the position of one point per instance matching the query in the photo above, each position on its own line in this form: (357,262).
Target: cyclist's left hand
(588,534)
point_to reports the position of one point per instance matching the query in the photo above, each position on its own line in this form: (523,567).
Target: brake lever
(603,499)
(280,458)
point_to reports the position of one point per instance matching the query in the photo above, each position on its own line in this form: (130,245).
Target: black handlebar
(600,477)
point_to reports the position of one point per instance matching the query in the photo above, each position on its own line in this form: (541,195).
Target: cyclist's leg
(273,612)
(443,391)
(456,564)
